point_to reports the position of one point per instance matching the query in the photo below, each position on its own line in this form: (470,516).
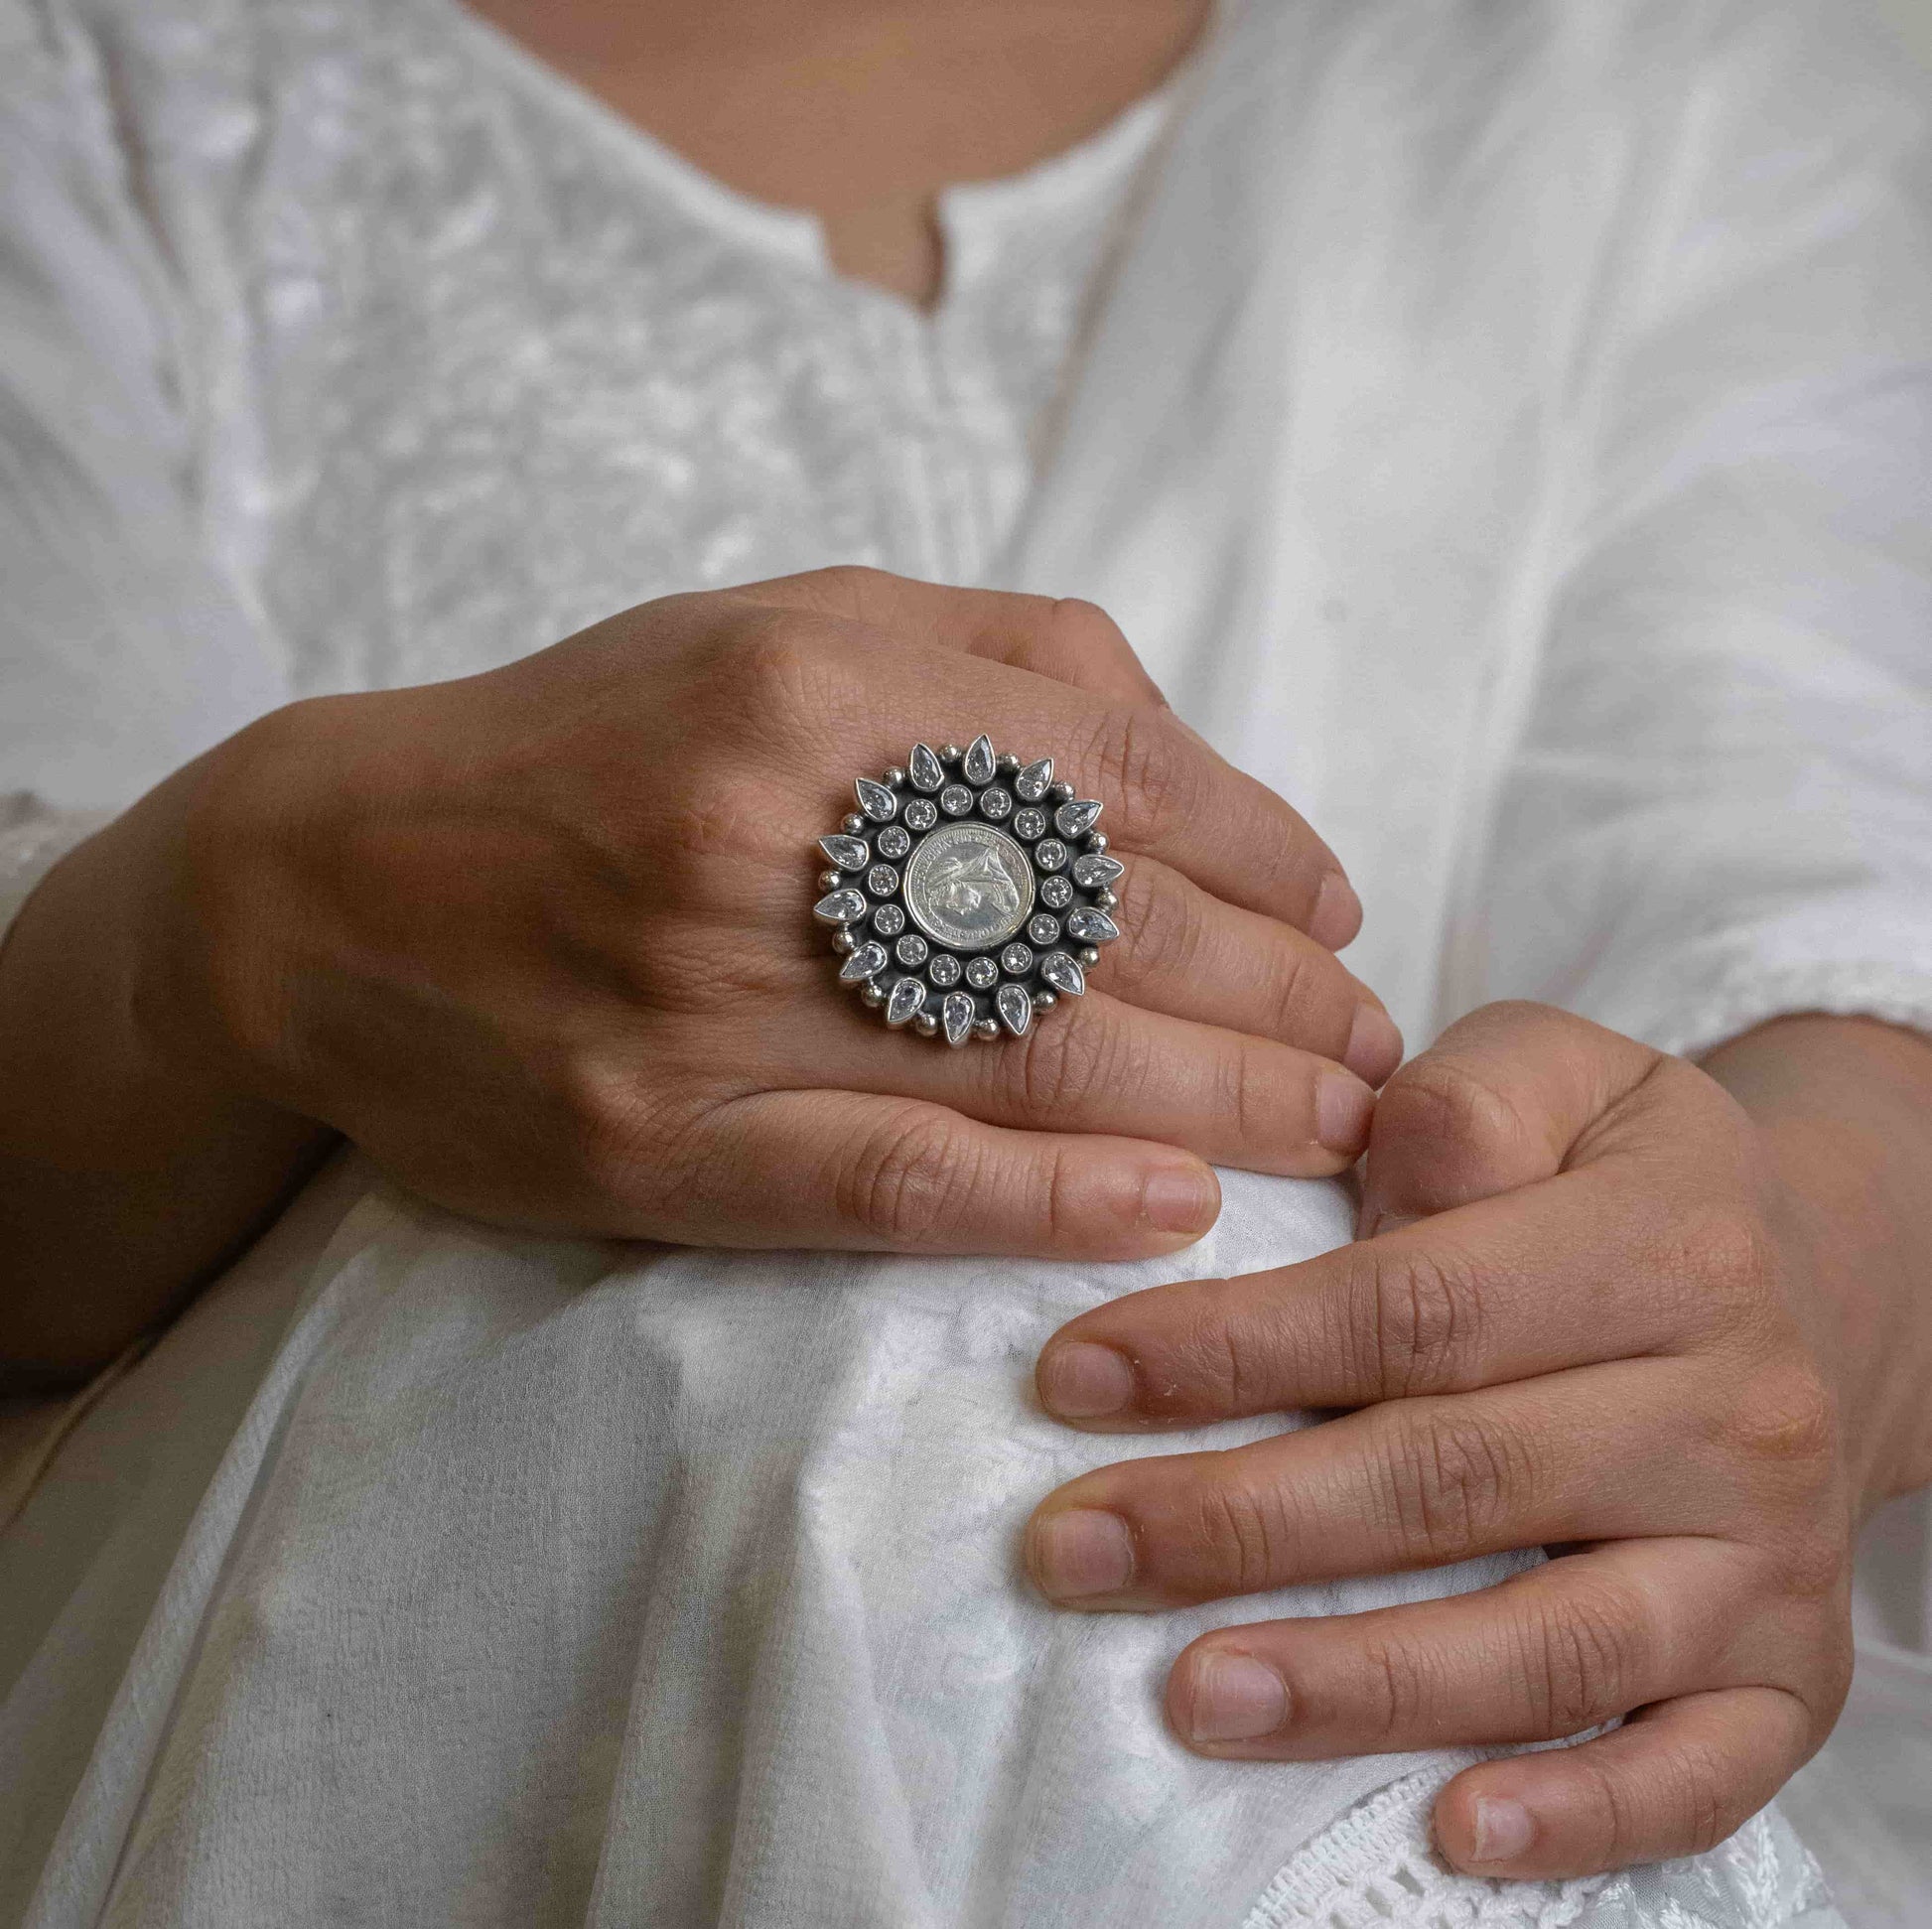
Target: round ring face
(968,894)
(969,887)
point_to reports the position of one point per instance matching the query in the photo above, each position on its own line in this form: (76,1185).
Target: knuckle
(1149,767)
(784,675)
(1244,1532)
(1406,1690)
(1163,928)
(907,1180)
(1417,1319)
(1057,1065)
(1719,1246)
(1578,1657)
(1462,1135)
(1081,629)
(1785,1419)
(621,1143)
(1448,1482)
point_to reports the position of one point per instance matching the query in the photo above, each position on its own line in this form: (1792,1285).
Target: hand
(1618,1334)
(539,939)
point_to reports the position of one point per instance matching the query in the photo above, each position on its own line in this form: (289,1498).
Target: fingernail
(1080,1381)
(1374,1047)
(1235,1698)
(1337,912)
(1503,1830)
(1079,1553)
(1342,1106)
(1180,1198)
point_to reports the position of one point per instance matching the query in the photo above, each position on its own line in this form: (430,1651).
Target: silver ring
(968,893)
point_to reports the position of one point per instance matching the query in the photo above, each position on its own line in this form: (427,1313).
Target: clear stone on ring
(943,971)
(894,843)
(882,881)
(982,973)
(1029,824)
(955,800)
(921,813)
(1044,929)
(1017,959)
(1055,894)
(888,920)
(1050,854)
(912,950)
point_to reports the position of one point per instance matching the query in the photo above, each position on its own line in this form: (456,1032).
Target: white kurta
(1503,430)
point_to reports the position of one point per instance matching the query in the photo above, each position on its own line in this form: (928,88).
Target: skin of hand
(540,942)
(1672,1323)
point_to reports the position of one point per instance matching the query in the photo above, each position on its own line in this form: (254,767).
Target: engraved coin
(970,886)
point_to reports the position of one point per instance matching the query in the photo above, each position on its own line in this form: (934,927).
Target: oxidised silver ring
(968,891)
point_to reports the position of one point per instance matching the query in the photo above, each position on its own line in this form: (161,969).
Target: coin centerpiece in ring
(969,887)
(967,846)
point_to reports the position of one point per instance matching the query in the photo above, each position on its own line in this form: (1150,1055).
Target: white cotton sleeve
(125,649)
(1722,806)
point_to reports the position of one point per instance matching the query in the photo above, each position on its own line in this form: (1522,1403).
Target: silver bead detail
(871,994)
(925,1024)
(1007,763)
(1088,955)
(1096,841)
(893,780)
(987,1029)
(927,772)
(830,880)
(854,825)
(842,941)
(948,753)
(1061,793)
(979,761)
(1105,900)
(1045,1001)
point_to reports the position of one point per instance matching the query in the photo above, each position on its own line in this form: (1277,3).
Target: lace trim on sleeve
(1376,1869)
(34,838)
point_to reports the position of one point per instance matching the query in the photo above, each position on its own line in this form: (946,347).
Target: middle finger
(1588,1455)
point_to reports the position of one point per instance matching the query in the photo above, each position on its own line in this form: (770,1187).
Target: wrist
(1843,1112)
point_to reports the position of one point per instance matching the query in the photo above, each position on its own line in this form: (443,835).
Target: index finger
(1550,1277)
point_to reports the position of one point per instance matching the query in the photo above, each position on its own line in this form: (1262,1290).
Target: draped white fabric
(1504,430)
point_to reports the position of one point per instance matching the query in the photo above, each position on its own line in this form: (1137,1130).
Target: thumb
(1498,1101)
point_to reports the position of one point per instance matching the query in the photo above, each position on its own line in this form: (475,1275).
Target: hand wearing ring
(564,902)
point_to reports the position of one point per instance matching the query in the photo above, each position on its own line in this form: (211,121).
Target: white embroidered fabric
(1375,1869)
(343,345)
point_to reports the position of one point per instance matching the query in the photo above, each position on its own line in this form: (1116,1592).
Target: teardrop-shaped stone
(924,768)
(1031,785)
(1094,870)
(956,1015)
(1062,973)
(845,906)
(865,962)
(1015,1004)
(1091,926)
(848,853)
(979,761)
(905,1003)
(1074,819)
(878,803)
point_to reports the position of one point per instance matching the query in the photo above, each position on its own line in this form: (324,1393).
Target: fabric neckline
(978,219)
